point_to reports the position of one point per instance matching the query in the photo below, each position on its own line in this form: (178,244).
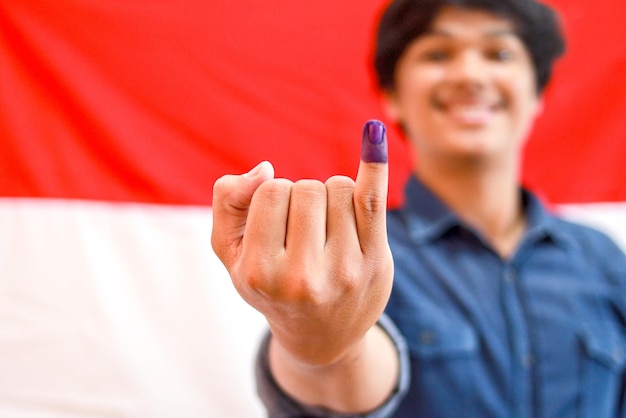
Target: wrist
(361,379)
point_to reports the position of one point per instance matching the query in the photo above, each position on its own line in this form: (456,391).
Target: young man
(498,309)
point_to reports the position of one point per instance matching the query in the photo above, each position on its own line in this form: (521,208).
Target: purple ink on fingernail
(374,144)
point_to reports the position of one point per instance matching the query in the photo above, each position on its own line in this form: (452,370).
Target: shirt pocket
(604,361)
(435,338)
(445,368)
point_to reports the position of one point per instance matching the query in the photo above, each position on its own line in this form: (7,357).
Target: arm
(278,403)
(313,258)
(360,382)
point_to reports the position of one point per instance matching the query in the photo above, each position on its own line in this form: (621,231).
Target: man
(498,309)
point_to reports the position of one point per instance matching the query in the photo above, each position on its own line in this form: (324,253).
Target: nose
(468,67)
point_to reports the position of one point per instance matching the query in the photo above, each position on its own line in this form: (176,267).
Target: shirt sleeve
(279,405)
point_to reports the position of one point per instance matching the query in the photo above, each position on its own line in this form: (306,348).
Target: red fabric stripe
(152,101)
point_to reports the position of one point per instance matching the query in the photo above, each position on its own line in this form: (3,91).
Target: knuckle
(381,266)
(371,202)
(273,190)
(349,280)
(340,193)
(340,183)
(220,248)
(305,283)
(346,267)
(309,190)
(222,185)
(255,274)
(280,281)
(301,285)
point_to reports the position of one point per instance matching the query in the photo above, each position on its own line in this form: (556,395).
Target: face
(465,89)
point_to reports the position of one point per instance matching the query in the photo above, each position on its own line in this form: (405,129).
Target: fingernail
(256,170)
(374,144)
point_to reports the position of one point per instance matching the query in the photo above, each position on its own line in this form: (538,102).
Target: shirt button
(427,337)
(528,360)
(509,275)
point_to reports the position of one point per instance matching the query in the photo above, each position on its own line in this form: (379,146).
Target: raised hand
(311,256)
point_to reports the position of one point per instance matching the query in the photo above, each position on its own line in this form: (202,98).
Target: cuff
(281,405)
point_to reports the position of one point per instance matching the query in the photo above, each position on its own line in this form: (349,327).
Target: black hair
(403,21)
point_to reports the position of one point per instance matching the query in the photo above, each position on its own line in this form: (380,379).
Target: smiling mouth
(472,113)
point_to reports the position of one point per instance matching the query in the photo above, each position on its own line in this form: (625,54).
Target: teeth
(470,114)
(460,108)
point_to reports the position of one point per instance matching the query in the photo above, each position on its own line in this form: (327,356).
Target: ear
(540,106)
(390,105)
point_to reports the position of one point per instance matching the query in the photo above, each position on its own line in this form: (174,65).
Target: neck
(486,197)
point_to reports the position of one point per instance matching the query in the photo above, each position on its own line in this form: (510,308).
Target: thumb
(370,193)
(231,199)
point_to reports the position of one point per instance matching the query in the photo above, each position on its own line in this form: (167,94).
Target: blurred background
(116,117)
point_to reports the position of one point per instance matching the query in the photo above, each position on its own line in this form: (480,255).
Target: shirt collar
(429,219)
(426,216)
(541,223)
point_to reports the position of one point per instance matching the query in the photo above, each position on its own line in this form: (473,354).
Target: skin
(465,94)
(313,257)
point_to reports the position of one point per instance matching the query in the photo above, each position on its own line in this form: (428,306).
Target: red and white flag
(117,117)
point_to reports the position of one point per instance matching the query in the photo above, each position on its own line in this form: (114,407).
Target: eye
(436,55)
(500,54)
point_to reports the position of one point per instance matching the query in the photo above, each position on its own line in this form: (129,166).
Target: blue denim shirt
(540,334)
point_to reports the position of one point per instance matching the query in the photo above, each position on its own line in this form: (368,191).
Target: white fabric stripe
(122,310)
(607,217)
(115,310)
